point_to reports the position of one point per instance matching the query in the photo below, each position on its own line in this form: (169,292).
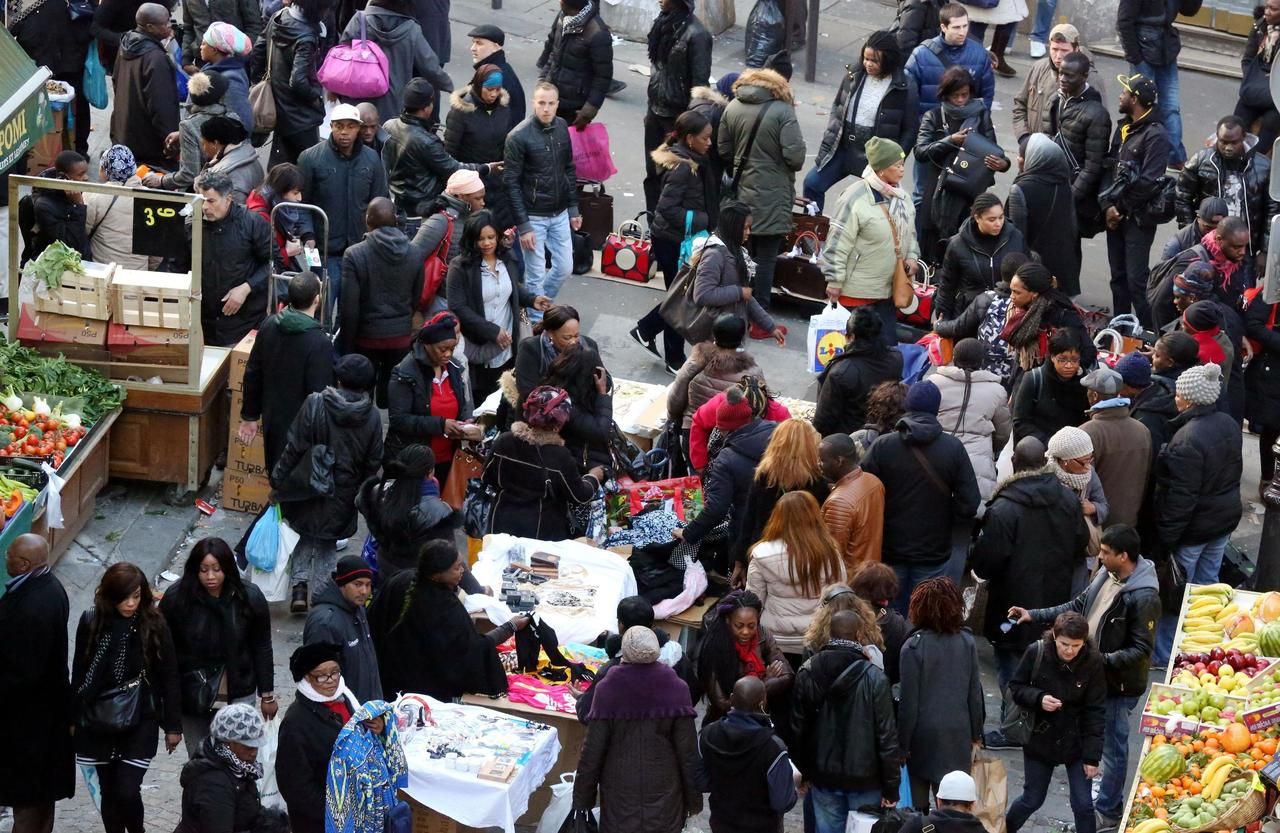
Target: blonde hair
(835,598)
(812,554)
(790,460)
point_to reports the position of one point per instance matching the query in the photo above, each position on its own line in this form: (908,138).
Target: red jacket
(704,419)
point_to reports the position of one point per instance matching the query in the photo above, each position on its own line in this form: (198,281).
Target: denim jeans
(313,561)
(1166,629)
(1166,78)
(552,233)
(909,575)
(1007,660)
(1115,755)
(1201,562)
(819,181)
(1037,775)
(1045,10)
(831,808)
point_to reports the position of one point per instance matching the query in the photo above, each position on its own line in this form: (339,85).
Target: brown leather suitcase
(596,209)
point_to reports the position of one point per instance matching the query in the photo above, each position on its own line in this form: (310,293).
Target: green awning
(24,113)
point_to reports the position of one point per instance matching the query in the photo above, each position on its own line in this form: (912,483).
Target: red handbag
(435,269)
(627,253)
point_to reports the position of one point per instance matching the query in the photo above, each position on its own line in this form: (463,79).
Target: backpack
(436,267)
(1168,267)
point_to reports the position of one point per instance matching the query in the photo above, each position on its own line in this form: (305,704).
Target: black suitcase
(596,210)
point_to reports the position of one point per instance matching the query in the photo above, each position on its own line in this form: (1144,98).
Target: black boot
(298,603)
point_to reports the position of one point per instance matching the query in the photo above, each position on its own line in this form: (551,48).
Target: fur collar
(507,384)
(768,80)
(668,159)
(722,363)
(463,101)
(707,94)
(1016,476)
(533,436)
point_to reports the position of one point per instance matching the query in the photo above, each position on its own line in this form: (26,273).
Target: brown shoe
(1003,69)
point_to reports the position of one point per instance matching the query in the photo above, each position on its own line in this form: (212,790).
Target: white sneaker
(1037,49)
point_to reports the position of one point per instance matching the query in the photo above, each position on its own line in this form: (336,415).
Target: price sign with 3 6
(159,229)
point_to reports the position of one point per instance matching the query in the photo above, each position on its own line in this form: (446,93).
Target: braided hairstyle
(388,506)
(718,658)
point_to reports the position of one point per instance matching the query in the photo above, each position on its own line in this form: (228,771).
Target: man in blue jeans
(1122,605)
(1151,46)
(542,186)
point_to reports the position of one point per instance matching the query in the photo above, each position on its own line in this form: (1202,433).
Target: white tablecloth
(462,796)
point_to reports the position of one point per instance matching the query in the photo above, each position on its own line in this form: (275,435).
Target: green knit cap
(883,153)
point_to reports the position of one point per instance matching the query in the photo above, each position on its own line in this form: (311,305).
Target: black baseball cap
(488,32)
(1142,87)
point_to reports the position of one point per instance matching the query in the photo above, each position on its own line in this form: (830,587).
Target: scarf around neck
(1023,330)
(749,656)
(666,28)
(640,692)
(1226,268)
(307,690)
(1210,351)
(244,770)
(573,25)
(971,109)
(1077,483)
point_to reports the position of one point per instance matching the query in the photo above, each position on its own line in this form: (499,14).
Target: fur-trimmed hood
(756,86)
(1019,477)
(708,94)
(507,384)
(723,363)
(534,436)
(668,157)
(464,101)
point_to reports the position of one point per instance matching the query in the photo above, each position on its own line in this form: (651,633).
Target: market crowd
(836,547)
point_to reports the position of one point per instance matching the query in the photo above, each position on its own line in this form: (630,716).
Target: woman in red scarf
(737,646)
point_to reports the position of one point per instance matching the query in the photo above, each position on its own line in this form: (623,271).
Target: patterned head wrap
(119,163)
(365,771)
(228,39)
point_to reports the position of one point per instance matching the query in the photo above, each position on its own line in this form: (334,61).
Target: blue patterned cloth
(365,771)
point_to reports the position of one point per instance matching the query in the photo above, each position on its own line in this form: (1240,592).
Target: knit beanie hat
(883,153)
(1200,385)
(725,85)
(440,327)
(924,397)
(547,408)
(1070,443)
(1202,316)
(1197,280)
(734,412)
(239,723)
(417,94)
(1135,370)
(307,658)
(463,182)
(350,568)
(639,646)
(205,88)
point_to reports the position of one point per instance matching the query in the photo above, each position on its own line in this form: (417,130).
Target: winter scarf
(307,690)
(749,656)
(972,109)
(640,692)
(573,25)
(16,10)
(244,770)
(897,199)
(1267,44)
(365,771)
(666,28)
(296,321)
(1077,483)
(1023,331)
(107,667)
(1210,350)
(1226,268)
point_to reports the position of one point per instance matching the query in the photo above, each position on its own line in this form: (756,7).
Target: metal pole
(811,43)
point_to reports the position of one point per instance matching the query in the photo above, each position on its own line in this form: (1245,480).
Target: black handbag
(113,711)
(312,475)
(1019,722)
(967,172)
(200,688)
(477,506)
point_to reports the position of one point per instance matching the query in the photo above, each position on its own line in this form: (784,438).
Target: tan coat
(110,220)
(854,515)
(708,371)
(1122,458)
(787,608)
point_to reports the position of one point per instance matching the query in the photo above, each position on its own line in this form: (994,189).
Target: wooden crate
(152,299)
(83,296)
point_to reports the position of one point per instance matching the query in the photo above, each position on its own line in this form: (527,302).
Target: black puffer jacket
(971,265)
(409,401)
(1155,408)
(307,733)
(343,186)
(846,383)
(1147,34)
(237,249)
(916,22)
(1031,540)
(1198,484)
(686,66)
(539,172)
(1073,732)
(295,60)
(349,424)
(845,734)
(206,630)
(475,131)
(1044,402)
(897,117)
(381,282)
(1128,629)
(145,104)
(1147,147)
(418,166)
(1083,127)
(1205,176)
(214,798)
(688,184)
(1262,376)
(578,61)
(727,482)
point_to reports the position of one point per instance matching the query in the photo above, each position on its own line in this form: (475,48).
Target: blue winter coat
(926,69)
(236,72)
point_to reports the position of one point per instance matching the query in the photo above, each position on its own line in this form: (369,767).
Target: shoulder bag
(678,309)
(967,173)
(262,99)
(356,69)
(1019,722)
(930,474)
(312,476)
(903,292)
(731,189)
(114,711)
(200,687)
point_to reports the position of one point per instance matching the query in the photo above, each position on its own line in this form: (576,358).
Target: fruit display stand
(1208,731)
(174,421)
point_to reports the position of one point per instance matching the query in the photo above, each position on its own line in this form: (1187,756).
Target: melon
(1269,640)
(1267,608)
(1238,623)
(1162,763)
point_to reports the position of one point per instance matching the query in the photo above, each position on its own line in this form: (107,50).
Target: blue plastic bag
(370,552)
(264,541)
(692,242)
(95,79)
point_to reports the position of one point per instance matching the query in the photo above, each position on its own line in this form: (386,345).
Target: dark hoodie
(408,54)
(728,480)
(214,797)
(350,426)
(381,281)
(943,820)
(335,620)
(748,774)
(971,265)
(56,217)
(846,383)
(236,70)
(918,515)
(146,99)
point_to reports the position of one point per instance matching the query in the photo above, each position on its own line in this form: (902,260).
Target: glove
(585,116)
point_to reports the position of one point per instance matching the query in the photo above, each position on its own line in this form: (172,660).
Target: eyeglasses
(325,678)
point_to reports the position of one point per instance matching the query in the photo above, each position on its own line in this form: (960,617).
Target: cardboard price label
(1157,724)
(1262,718)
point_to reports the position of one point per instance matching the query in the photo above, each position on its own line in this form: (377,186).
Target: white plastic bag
(274,584)
(53,501)
(268,789)
(860,822)
(560,806)
(826,336)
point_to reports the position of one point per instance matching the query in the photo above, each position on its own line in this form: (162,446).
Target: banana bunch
(1246,643)
(1152,826)
(1215,776)
(1208,608)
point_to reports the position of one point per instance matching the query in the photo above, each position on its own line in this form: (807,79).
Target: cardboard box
(244,493)
(149,345)
(50,327)
(249,460)
(239,361)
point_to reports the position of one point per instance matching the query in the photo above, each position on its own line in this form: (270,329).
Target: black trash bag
(766,32)
(891,819)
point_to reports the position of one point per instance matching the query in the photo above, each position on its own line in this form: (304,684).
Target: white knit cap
(639,645)
(1201,385)
(1070,443)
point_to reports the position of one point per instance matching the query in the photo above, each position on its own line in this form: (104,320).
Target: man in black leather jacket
(578,59)
(680,55)
(1122,605)
(417,163)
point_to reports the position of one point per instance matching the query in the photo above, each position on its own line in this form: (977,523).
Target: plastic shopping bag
(560,806)
(95,79)
(826,336)
(268,788)
(274,583)
(591,157)
(264,540)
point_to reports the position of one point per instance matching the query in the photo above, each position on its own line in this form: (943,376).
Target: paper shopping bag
(992,783)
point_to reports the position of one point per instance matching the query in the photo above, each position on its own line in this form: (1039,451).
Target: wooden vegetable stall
(141,329)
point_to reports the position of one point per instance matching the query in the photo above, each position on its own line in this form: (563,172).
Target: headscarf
(119,163)
(1044,162)
(227,39)
(244,770)
(1203,321)
(547,408)
(365,771)
(666,27)
(486,75)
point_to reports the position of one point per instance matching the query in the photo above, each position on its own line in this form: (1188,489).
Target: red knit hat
(734,412)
